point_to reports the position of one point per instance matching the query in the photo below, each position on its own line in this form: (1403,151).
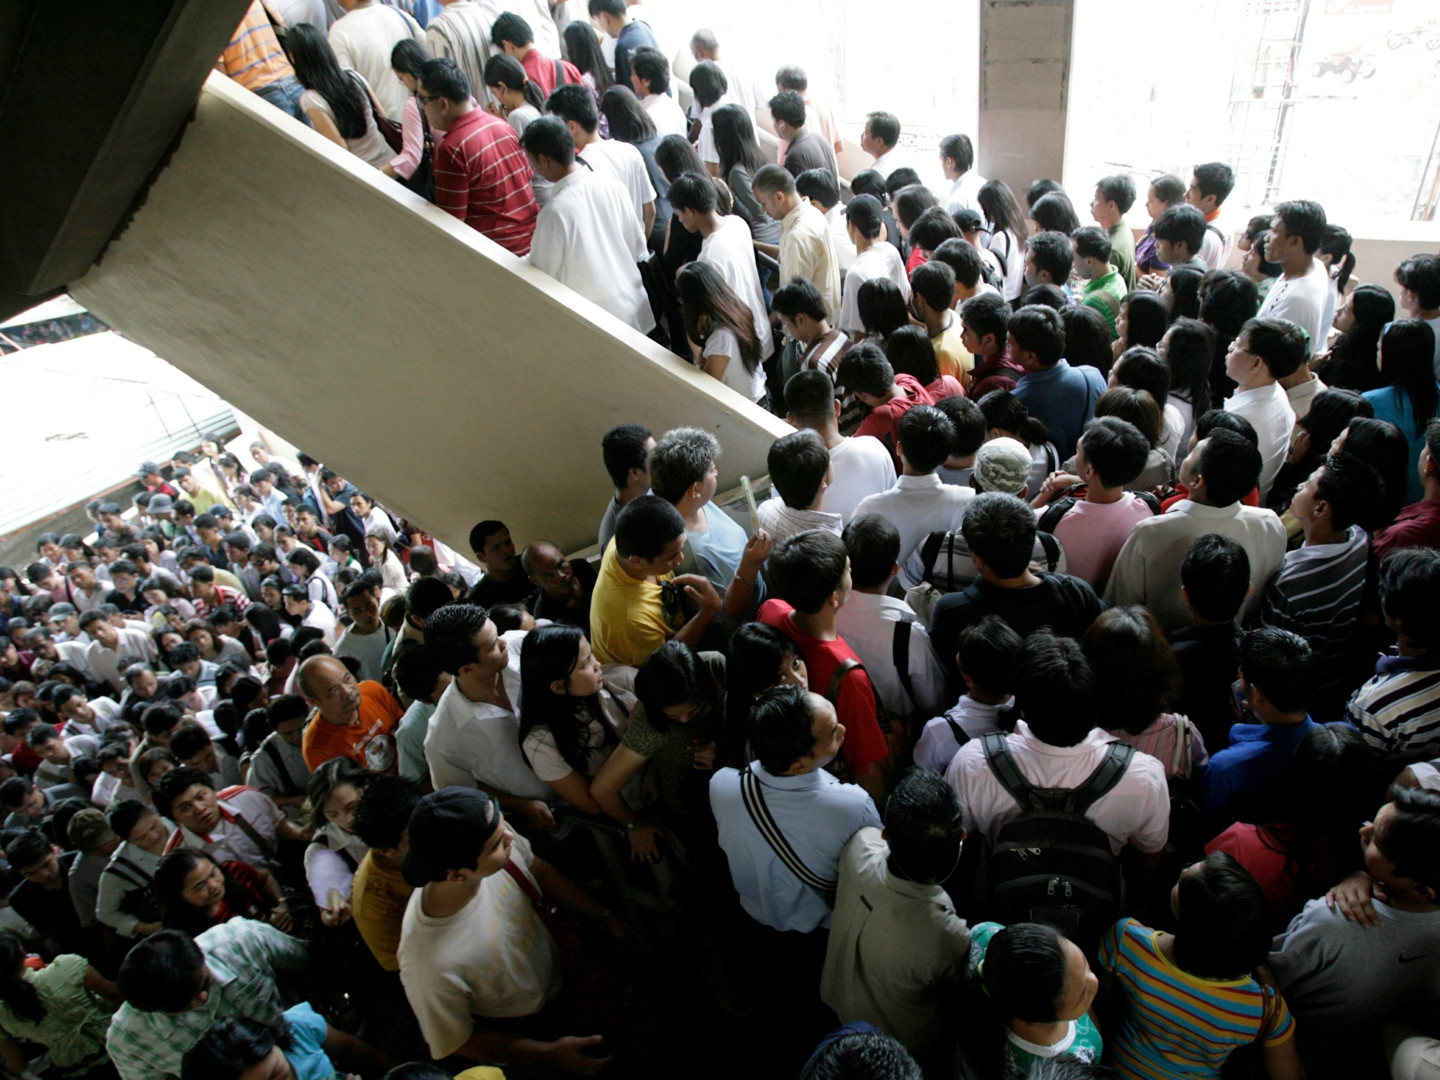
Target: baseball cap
(968,220)
(179,472)
(108,508)
(1003,464)
(89,830)
(864,212)
(448,830)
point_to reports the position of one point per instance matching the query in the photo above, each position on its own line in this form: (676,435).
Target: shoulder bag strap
(1052,550)
(900,654)
(131,874)
(561,79)
(267,848)
(1054,512)
(955,729)
(760,814)
(832,688)
(1108,300)
(287,782)
(526,885)
(1002,764)
(1103,779)
(1181,756)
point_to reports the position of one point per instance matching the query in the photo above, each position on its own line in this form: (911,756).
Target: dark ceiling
(93,93)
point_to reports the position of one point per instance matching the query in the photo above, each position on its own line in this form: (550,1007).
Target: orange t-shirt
(370,741)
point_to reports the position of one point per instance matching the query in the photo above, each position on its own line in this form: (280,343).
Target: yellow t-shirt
(378,897)
(628,620)
(950,355)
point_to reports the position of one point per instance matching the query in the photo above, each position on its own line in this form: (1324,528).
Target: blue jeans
(284,94)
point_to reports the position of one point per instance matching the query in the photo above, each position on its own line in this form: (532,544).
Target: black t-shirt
(489,591)
(53,913)
(1209,659)
(810,151)
(1065,604)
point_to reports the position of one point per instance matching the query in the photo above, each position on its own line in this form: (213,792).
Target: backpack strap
(900,654)
(929,552)
(754,800)
(1103,779)
(1053,513)
(1002,764)
(832,688)
(1052,550)
(270,750)
(560,77)
(131,874)
(955,729)
(1151,501)
(1111,304)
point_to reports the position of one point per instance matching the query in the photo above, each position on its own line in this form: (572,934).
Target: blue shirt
(719,548)
(1393,404)
(817,815)
(1247,770)
(632,35)
(307,1044)
(1064,398)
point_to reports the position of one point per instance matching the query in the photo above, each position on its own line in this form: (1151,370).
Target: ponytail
(502,69)
(15,991)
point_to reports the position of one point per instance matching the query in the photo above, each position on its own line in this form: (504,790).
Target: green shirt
(1082,1039)
(672,752)
(244,958)
(1122,252)
(75,1022)
(1105,294)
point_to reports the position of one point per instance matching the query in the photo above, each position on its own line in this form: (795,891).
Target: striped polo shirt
(1179,1026)
(1398,711)
(254,58)
(1317,595)
(482,176)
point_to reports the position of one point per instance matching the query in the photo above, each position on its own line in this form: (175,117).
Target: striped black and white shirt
(1398,711)
(1317,595)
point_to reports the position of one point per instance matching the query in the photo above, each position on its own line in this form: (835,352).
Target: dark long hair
(551,653)
(1005,411)
(1382,446)
(998,202)
(1224,920)
(629,120)
(15,992)
(410,57)
(582,49)
(1185,289)
(1146,319)
(169,883)
(705,295)
(735,139)
(1136,675)
(756,653)
(676,157)
(1351,363)
(504,70)
(1407,364)
(1189,354)
(910,352)
(316,68)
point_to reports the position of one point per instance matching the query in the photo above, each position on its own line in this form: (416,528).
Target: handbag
(422,180)
(389,129)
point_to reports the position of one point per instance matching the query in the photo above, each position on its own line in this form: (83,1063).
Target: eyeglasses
(427,100)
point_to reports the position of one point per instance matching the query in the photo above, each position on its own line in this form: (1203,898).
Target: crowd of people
(1070,708)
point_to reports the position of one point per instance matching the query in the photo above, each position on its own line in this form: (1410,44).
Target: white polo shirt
(611,157)
(1135,811)
(469,743)
(860,466)
(918,506)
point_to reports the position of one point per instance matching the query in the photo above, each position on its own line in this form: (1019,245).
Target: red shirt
(1269,863)
(482,176)
(1417,525)
(999,374)
(1182,492)
(884,420)
(541,70)
(864,745)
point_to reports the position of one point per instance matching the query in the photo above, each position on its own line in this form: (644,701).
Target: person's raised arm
(698,588)
(577,791)
(99,984)
(648,215)
(742,585)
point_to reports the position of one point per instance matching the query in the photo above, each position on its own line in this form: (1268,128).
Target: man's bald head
(328,686)
(546,565)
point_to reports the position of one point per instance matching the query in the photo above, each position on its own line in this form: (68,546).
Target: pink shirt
(1135,811)
(1092,534)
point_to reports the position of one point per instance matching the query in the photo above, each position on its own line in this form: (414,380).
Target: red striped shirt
(482,176)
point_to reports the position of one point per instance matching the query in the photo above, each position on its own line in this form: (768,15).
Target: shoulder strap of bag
(1108,300)
(131,874)
(255,838)
(1103,779)
(955,729)
(1054,512)
(1002,764)
(1052,550)
(900,654)
(561,79)
(929,552)
(287,781)
(1181,756)
(832,688)
(754,800)
(1151,501)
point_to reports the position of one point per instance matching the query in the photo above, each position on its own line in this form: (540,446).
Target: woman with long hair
(676,157)
(158,592)
(761,658)
(1361,317)
(1087,338)
(1165,191)
(1137,681)
(1168,988)
(334,852)
(910,352)
(339,103)
(582,48)
(1339,261)
(407,59)
(1141,320)
(1054,212)
(1006,415)
(1181,293)
(386,560)
(197,892)
(721,330)
(1408,393)
(1008,233)
(1384,447)
(1261,270)
(673,733)
(1188,349)
(740,159)
(570,720)
(1330,413)
(64,1007)
(882,308)
(630,122)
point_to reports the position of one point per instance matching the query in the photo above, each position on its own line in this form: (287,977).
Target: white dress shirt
(879,260)
(469,743)
(1269,412)
(611,157)
(867,623)
(666,115)
(588,239)
(840,237)
(965,193)
(918,506)
(859,466)
(1301,300)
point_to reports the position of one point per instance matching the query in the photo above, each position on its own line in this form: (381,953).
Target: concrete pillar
(1024,89)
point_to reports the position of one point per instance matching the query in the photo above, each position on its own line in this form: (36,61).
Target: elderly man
(351,719)
(565,586)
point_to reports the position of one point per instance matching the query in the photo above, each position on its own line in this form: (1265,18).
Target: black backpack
(946,564)
(1052,864)
(1061,506)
